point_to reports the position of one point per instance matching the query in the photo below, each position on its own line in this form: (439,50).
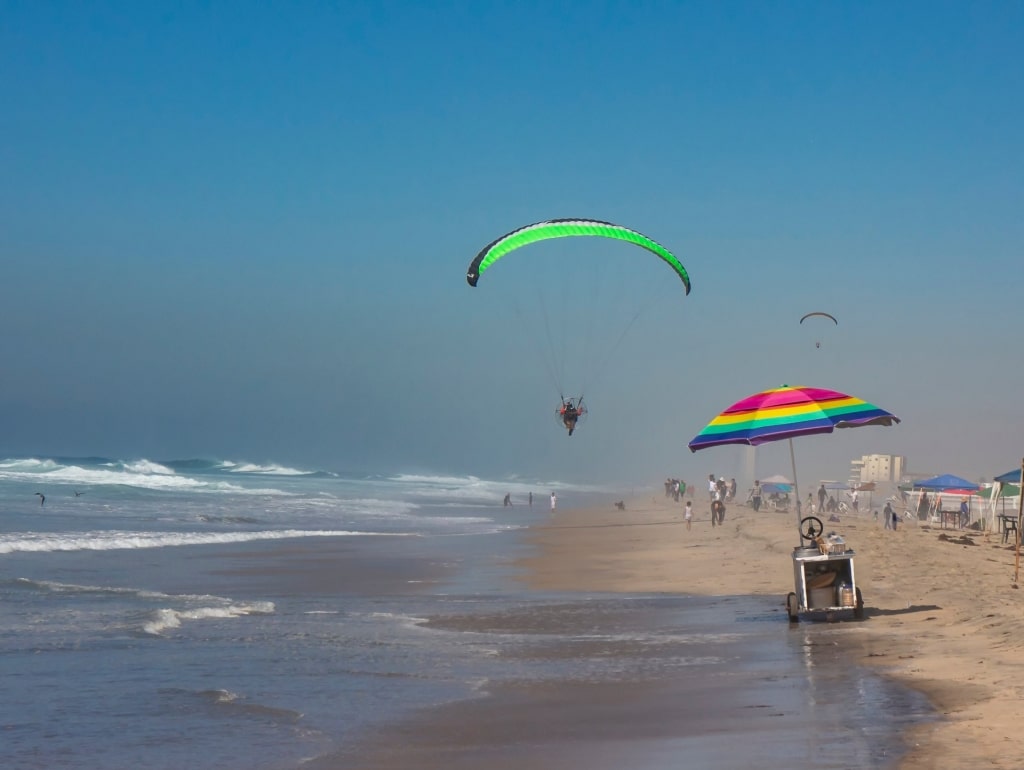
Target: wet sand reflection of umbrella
(785,413)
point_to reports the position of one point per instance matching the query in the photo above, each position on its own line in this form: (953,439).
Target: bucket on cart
(846,597)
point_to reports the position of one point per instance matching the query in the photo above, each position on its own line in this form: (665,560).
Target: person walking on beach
(718,512)
(755,496)
(554,501)
(822,496)
(508,499)
(965,512)
(688,515)
(922,507)
(530,498)
(853,500)
(42,498)
(712,487)
(888,513)
(895,519)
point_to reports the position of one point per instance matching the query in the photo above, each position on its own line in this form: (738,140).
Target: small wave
(165,619)
(147,466)
(27,465)
(218,696)
(113,540)
(209,519)
(456,489)
(268,470)
(113,476)
(239,705)
(51,586)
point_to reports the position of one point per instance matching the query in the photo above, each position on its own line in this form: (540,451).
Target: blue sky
(242,231)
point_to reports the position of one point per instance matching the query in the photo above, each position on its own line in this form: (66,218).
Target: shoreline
(941,613)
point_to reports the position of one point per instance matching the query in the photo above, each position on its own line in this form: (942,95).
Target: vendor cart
(823,575)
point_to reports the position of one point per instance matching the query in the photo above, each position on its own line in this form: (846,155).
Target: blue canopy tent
(1013,477)
(945,481)
(1001,490)
(1010,477)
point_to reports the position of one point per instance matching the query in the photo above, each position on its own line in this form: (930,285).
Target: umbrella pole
(796,489)
(1020,520)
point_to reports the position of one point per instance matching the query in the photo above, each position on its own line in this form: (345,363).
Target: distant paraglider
(817,343)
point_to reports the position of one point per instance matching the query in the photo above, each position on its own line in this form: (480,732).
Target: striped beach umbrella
(787,412)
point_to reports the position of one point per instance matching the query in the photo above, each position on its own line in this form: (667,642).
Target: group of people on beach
(507,501)
(676,489)
(719,492)
(726,490)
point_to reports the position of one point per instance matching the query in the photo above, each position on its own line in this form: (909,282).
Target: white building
(878,468)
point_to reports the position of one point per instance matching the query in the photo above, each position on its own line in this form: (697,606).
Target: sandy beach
(942,612)
(941,617)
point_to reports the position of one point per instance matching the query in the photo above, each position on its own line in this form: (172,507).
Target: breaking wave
(113,540)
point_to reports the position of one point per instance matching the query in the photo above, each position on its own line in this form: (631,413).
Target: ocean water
(208,614)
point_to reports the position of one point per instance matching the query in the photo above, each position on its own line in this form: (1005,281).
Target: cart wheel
(858,608)
(811,527)
(791,608)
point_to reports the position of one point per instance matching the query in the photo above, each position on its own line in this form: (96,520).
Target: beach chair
(1009,527)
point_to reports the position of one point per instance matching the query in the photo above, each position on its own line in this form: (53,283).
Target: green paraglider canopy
(563,228)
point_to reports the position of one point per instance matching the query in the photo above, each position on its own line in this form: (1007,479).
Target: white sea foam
(140,474)
(164,619)
(462,489)
(368,506)
(146,466)
(405,621)
(269,470)
(141,593)
(221,696)
(27,465)
(115,540)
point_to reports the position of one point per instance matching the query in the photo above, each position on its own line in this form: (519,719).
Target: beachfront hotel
(878,468)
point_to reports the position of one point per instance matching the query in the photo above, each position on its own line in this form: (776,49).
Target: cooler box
(822,597)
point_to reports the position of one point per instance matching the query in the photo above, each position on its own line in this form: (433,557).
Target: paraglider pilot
(570,414)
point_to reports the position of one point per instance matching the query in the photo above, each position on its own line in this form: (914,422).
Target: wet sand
(942,612)
(652,682)
(942,617)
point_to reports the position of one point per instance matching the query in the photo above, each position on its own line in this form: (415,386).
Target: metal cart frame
(810,566)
